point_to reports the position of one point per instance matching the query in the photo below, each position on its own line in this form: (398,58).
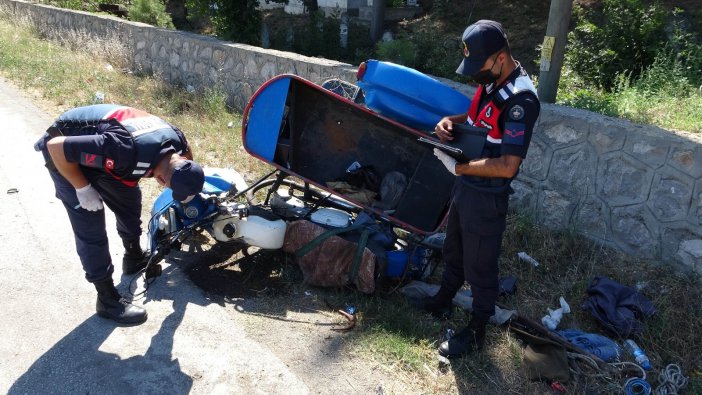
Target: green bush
(400,51)
(234,20)
(152,12)
(623,36)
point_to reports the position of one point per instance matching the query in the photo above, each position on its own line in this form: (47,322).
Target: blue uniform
(477,217)
(115,146)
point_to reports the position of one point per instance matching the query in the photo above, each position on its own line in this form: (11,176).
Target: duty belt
(488,181)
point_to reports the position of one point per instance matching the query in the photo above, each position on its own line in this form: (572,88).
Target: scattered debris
(553,318)
(12,190)
(230,124)
(526,258)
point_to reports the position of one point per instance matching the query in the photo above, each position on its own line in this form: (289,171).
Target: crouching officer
(96,155)
(506,104)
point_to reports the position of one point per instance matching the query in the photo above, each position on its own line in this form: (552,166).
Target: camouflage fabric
(329,264)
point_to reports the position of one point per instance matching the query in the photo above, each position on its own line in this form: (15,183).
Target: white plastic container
(331,217)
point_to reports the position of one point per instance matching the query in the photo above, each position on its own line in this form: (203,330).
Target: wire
(637,386)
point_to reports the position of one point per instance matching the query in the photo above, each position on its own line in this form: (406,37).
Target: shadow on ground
(76,364)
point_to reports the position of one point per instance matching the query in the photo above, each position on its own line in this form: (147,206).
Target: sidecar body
(316,135)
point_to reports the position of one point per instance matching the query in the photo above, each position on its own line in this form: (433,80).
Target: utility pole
(553,49)
(378,19)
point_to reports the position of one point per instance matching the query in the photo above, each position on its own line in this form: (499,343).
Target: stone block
(592,218)
(607,136)
(695,214)
(524,197)
(687,157)
(671,194)
(573,169)
(250,67)
(622,180)
(555,209)
(218,59)
(287,66)
(538,159)
(683,245)
(268,68)
(205,54)
(635,231)
(174,61)
(650,150)
(564,131)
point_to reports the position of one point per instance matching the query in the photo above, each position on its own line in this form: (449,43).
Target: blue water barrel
(408,96)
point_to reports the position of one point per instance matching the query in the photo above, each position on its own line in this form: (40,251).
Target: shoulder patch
(516,112)
(514,133)
(90,160)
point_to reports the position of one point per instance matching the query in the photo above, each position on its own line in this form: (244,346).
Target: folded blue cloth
(595,344)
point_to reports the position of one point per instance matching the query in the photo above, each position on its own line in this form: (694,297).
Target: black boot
(469,339)
(438,305)
(110,304)
(134,258)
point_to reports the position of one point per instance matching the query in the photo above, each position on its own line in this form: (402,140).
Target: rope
(637,386)
(670,380)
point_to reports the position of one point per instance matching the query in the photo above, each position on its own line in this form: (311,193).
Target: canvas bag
(328,260)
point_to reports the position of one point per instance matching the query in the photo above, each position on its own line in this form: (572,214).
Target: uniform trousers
(89,227)
(476,223)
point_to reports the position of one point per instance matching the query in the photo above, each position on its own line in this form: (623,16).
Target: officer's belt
(487,181)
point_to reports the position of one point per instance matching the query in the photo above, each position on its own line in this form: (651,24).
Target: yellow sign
(547,47)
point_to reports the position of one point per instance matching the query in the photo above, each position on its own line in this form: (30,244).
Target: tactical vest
(149,134)
(488,117)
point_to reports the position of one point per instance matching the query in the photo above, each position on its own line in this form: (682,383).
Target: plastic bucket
(397,261)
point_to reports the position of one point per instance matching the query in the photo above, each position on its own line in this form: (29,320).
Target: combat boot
(438,305)
(110,304)
(469,339)
(134,258)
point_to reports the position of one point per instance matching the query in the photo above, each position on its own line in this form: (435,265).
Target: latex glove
(89,198)
(447,160)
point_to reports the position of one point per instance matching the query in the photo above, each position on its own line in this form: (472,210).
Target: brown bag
(328,261)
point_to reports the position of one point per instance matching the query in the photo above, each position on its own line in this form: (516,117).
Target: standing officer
(98,154)
(506,104)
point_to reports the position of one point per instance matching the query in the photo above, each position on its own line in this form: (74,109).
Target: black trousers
(476,224)
(89,227)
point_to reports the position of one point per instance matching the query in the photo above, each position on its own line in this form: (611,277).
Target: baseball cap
(187,180)
(480,40)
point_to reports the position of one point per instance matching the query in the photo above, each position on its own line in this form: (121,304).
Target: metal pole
(553,49)
(378,19)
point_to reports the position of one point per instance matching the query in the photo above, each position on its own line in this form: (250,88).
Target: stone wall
(634,187)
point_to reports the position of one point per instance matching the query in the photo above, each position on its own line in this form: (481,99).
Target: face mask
(486,77)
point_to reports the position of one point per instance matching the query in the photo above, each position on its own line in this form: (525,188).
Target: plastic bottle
(638,353)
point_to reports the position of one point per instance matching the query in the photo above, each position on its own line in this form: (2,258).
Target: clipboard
(467,144)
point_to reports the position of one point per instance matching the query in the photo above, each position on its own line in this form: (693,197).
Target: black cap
(481,40)
(187,180)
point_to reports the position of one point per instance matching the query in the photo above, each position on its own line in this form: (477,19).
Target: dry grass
(389,331)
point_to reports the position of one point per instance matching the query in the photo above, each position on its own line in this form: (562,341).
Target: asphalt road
(51,340)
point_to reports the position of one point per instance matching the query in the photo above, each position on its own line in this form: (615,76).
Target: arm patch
(514,133)
(91,160)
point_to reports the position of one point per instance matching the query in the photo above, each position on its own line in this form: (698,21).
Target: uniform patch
(516,112)
(514,133)
(90,160)
(488,112)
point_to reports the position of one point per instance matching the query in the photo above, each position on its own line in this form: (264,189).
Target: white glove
(89,198)
(448,161)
